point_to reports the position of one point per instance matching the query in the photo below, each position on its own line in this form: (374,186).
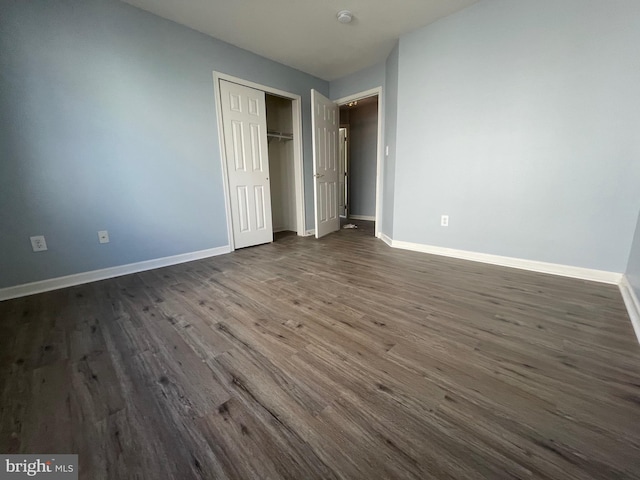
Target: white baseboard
(363,217)
(541,267)
(386,239)
(632,303)
(95,275)
(309,233)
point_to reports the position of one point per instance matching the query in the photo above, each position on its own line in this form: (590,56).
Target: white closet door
(325,163)
(245,139)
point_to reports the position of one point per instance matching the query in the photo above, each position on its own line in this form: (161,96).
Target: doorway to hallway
(358,155)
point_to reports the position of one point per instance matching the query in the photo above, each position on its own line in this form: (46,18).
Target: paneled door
(325,122)
(244,123)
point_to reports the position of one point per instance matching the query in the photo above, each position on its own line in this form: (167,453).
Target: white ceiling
(305,34)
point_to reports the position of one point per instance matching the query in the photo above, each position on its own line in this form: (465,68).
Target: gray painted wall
(390,122)
(109,122)
(633,266)
(363,157)
(357,82)
(519,120)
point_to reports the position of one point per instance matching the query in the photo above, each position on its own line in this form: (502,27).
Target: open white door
(244,121)
(325,122)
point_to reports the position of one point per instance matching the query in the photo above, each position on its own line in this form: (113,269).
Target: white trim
(359,96)
(532,265)
(345,169)
(386,239)
(310,232)
(369,218)
(632,303)
(381,158)
(103,274)
(280,229)
(298,166)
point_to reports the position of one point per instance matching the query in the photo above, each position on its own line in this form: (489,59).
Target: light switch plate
(103,236)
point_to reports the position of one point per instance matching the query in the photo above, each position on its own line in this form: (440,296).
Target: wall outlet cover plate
(38,243)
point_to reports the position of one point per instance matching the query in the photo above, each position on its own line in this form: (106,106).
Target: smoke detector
(345,16)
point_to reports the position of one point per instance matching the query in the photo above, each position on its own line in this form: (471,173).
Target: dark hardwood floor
(338,358)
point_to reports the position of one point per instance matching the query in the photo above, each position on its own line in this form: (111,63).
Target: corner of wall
(632,303)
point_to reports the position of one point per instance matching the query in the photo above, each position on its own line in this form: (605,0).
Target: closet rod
(280,135)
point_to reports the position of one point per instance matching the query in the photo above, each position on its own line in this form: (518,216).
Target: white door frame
(379,163)
(297,147)
(346,166)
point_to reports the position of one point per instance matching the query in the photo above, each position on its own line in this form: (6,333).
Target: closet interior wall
(281,168)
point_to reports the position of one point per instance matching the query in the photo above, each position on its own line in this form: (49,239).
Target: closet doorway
(261,137)
(281,163)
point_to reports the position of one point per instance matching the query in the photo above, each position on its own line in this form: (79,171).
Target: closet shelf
(280,136)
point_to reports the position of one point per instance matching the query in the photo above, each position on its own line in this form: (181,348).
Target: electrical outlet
(38,243)
(444,221)
(103,236)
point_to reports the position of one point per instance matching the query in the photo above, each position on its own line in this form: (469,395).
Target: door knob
(318,175)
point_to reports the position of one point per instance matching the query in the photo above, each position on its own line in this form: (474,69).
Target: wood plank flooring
(335,359)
